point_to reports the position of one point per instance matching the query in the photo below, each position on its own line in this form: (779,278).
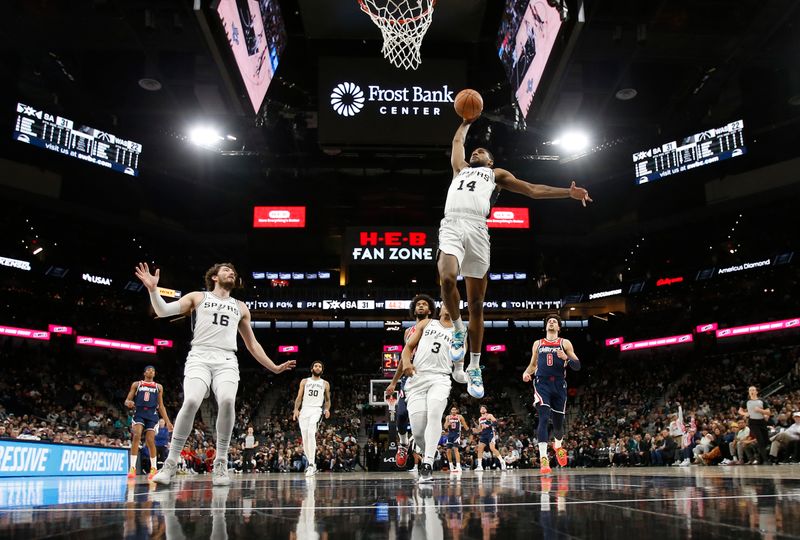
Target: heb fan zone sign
(390,245)
(509,218)
(279,217)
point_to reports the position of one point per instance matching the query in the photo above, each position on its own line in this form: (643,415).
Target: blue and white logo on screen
(347,99)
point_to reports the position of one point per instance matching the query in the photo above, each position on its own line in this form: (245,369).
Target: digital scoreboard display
(391,359)
(700,149)
(62,135)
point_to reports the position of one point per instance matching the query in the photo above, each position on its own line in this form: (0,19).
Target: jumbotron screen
(257,37)
(527,34)
(62,135)
(704,148)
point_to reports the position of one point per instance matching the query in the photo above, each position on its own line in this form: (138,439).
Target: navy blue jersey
(548,363)
(486,425)
(453,424)
(146,399)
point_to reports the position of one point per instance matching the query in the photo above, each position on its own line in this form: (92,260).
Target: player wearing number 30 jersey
(211,363)
(549,360)
(314,395)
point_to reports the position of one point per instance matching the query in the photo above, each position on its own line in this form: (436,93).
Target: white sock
(459,324)
(542,450)
(474,360)
(557,443)
(404,439)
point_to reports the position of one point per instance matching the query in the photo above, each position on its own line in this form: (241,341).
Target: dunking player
(464,239)
(549,360)
(315,396)
(147,398)
(428,386)
(487,425)
(453,424)
(422,307)
(211,363)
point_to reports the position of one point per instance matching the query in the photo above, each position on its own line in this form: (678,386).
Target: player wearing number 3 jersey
(211,363)
(464,241)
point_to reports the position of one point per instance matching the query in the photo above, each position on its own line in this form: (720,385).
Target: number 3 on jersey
(223,319)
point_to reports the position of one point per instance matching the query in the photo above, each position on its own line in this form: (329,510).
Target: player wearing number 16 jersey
(549,360)
(211,363)
(315,396)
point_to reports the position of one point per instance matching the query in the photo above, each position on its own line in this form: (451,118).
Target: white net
(403,24)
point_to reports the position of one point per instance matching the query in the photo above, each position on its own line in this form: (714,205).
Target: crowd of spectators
(665,407)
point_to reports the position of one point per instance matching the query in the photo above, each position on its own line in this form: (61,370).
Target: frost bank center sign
(367,102)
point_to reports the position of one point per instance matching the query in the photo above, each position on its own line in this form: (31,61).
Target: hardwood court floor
(698,502)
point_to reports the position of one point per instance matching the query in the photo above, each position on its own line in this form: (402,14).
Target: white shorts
(467,239)
(212,366)
(425,387)
(309,420)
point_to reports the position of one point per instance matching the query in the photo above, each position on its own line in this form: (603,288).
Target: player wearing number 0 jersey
(211,363)
(428,386)
(146,397)
(549,360)
(464,240)
(314,395)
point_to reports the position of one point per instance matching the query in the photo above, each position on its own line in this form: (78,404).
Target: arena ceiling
(694,65)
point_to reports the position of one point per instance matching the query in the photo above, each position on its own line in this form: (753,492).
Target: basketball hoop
(403,24)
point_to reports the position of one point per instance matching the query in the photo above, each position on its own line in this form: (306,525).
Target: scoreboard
(62,135)
(697,150)
(391,359)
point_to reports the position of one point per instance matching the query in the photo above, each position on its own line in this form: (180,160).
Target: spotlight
(205,136)
(572,141)
(38,250)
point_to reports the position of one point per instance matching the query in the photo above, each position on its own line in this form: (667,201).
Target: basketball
(468,104)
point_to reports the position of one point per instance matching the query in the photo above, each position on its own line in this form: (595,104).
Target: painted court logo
(347,99)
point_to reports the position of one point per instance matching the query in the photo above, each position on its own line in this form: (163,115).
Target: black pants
(758,429)
(247,459)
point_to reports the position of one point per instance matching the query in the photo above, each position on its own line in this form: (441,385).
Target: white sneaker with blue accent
(475,382)
(457,350)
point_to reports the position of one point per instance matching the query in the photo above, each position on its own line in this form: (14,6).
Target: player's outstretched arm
(163,309)
(569,355)
(457,156)
(255,347)
(508,181)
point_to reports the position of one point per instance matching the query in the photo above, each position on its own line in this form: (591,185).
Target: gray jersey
(216,322)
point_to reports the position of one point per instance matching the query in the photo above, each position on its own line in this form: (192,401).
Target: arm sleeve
(163,309)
